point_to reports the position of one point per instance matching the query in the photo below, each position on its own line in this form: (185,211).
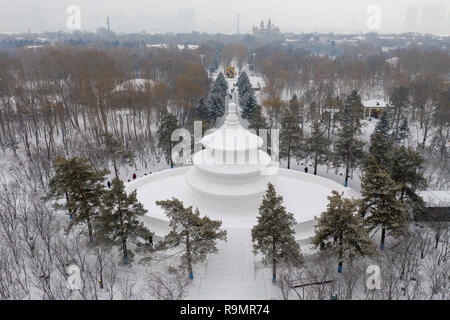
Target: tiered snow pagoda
(232,164)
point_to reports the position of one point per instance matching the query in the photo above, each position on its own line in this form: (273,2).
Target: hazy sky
(213,16)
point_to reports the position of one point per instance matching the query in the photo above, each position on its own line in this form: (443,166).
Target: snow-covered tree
(383,126)
(348,149)
(81,186)
(380,149)
(379,204)
(274,235)
(407,172)
(403,131)
(221,85)
(197,235)
(216,105)
(169,123)
(341,230)
(244,87)
(317,146)
(354,109)
(257,121)
(400,100)
(119,223)
(249,104)
(290,137)
(116,152)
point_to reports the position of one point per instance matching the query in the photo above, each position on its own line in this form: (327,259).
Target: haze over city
(424,16)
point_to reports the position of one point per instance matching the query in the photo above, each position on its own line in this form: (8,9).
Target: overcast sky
(212,16)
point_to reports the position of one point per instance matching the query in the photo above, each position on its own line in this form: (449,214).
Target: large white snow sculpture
(232,164)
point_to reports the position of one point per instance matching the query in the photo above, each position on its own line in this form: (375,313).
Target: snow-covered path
(230,274)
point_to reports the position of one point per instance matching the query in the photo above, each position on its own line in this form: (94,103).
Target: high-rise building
(37,20)
(411,18)
(186,20)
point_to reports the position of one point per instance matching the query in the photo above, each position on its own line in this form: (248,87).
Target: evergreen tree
(290,137)
(244,87)
(379,205)
(257,120)
(76,181)
(198,235)
(383,126)
(214,64)
(340,230)
(169,123)
(400,100)
(116,152)
(381,143)
(294,105)
(221,85)
(249,105)
(119,223)
(274,235)
(403,132)
(354,110)
(407,172)
(348,150)
(316,146)
(202,112)
(216,104)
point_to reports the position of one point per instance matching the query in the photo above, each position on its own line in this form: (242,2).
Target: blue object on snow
(345,184)
(340,268)
(70,217)
(191,276)
(274,278)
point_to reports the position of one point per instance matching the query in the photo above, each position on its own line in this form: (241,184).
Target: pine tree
(202,112)
(381,143)
(119,223)
(400,100)
(216,104)
(407,172)
(76,181)
(290,137)
(383,126)
(244,87)
(403,132)
(342,231)
(214,64)
(354,109)
(198,235)
(257,121)
(348,150)
(316,146)
(169,123)
(379,205)
(274,235)
(116,152)
(221,85)
(249,105)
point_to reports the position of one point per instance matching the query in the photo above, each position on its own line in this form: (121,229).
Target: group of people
(134,176)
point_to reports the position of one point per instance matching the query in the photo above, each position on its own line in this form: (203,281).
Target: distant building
(437,206)
(265,32)
(373,108)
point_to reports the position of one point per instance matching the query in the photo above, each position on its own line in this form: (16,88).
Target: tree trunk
(189,258)
(383,236)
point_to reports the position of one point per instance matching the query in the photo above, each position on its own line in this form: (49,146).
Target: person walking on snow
(134,176)
(306,169)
